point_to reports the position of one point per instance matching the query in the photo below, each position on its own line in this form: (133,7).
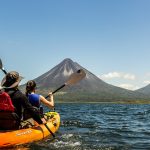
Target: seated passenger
(36,99)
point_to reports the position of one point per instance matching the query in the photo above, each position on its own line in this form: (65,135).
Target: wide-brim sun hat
(11,80)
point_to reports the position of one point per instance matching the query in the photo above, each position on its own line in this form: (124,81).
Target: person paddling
(19,101)
(36,99)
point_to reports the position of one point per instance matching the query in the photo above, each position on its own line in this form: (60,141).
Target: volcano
(90,88)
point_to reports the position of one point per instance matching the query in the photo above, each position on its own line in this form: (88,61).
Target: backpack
(6,102)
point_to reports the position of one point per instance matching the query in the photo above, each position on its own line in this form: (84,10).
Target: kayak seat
(29,123)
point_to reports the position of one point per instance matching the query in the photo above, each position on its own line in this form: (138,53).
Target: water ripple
(100,127)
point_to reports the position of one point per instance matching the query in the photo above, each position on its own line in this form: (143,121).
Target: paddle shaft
(1,67)
(4,70)
(57,90)
(49,130)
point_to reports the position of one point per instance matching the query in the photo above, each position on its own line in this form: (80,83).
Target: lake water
(100,127)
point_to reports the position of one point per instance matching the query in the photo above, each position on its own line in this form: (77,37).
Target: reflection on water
(100,127)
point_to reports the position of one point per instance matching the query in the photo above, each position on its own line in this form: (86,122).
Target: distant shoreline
(115,102)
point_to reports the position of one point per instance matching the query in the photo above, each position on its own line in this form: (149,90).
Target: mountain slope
(144,90)
(90,88)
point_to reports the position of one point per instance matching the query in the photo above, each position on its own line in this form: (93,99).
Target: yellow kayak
(35,133)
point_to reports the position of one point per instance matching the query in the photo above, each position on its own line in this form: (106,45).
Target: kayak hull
(36,133)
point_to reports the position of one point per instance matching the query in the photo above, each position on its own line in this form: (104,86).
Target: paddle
(1,67)
(73,79)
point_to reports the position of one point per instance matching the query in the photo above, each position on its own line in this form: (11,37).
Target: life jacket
(9,120)
(6,102)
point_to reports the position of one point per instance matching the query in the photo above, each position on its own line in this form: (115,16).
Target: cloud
(129,76)
(128,86)
(146,82)
(118,79)
(112,75)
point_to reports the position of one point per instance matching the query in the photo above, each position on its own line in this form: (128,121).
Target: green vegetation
(83,97)
(94,97)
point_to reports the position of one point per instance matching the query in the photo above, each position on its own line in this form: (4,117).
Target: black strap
(49,130)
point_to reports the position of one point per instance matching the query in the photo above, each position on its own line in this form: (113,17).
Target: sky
(110,38)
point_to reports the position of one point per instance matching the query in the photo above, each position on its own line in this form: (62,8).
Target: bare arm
(49,103)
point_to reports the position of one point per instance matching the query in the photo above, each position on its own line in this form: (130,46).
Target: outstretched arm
(49,103)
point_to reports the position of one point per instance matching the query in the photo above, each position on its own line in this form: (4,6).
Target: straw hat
(11,80)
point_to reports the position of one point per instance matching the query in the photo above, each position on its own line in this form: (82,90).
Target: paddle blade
(73,79)
(76,77)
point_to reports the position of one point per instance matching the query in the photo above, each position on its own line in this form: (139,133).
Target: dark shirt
(20,101)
